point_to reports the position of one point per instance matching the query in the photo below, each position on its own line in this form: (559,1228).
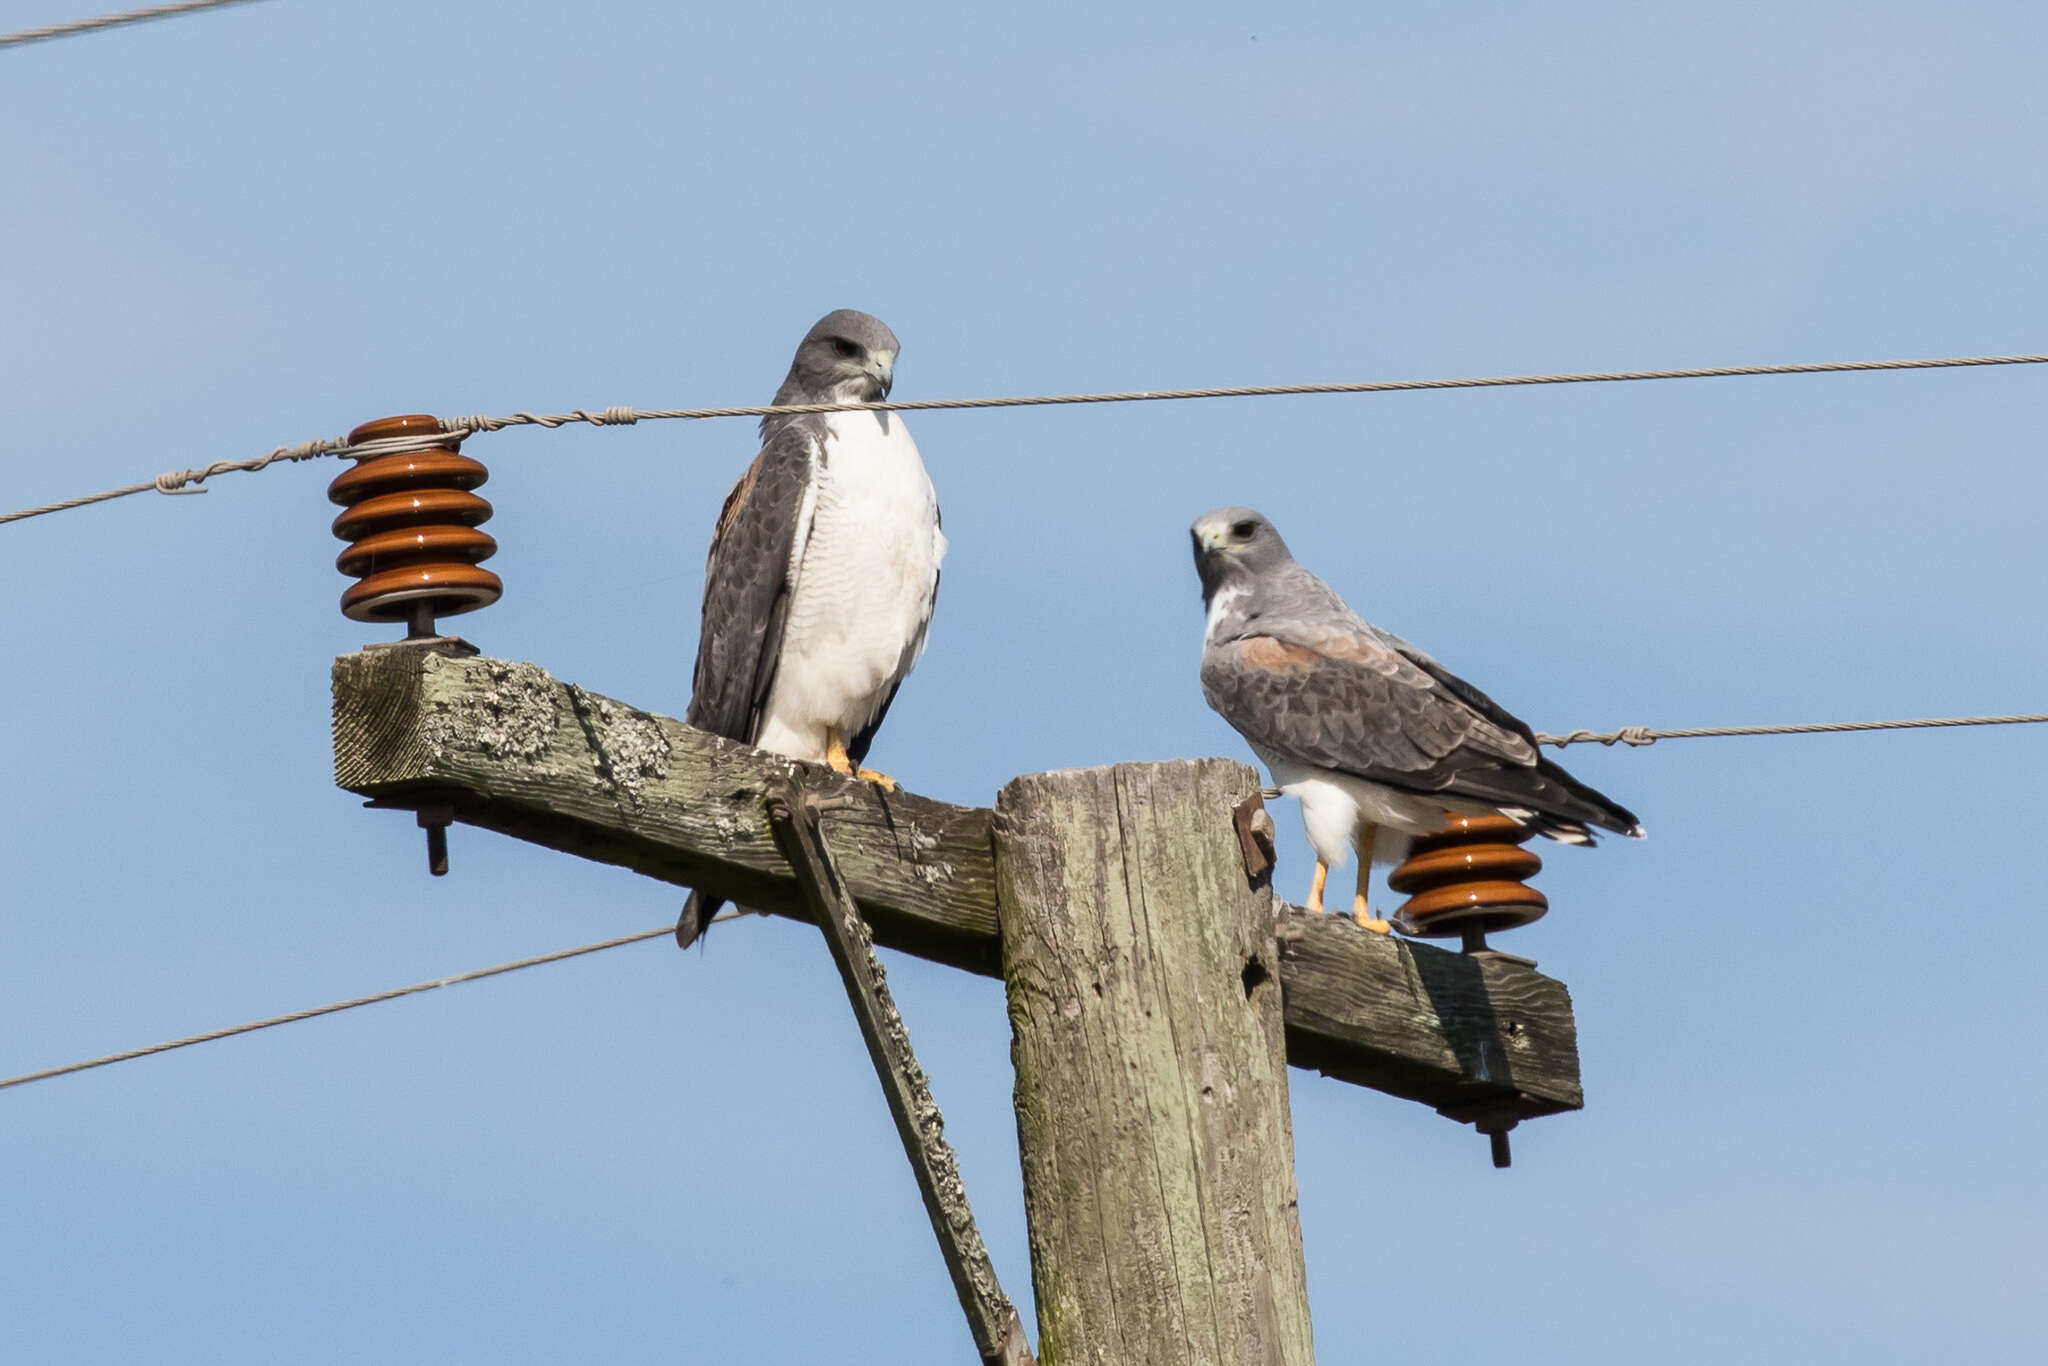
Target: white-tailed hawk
(823,569)
(1378,741)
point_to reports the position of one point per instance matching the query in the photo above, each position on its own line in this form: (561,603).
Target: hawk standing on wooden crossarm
(823,569)
(1378,741)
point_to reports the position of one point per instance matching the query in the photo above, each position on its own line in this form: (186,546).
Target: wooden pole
(1143,974)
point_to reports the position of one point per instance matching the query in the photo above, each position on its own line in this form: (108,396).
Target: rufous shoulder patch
(1354,650)
(1277,656)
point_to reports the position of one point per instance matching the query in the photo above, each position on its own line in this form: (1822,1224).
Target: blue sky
(1806,1004)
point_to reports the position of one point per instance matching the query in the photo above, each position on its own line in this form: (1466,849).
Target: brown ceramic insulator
(410,520)
(1447,912)
(1464,863)
(412,470)
(410,424)
(1473,830)
(1468,878)
(415,545)
(411,508)
(451,588)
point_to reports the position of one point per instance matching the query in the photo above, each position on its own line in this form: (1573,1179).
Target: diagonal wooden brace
(793,816)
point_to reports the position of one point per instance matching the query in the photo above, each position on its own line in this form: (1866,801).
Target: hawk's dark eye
(845,348)
(1243,530)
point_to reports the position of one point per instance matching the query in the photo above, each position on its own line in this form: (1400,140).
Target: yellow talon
(842,762)
(1362,913)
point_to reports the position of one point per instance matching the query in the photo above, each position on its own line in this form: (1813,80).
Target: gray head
(1234,545)
(847,357)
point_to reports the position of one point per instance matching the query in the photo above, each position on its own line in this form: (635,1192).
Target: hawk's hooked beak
(1212,536)
(881,368)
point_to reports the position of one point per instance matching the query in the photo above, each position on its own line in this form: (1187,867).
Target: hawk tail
(1593,807)
(696,918)
(1570,809)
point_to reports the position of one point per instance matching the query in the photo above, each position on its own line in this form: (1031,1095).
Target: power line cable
(184,481)
(133,16)
(1641,735)
(559,956)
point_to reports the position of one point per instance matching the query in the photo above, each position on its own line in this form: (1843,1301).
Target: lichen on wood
(512,718)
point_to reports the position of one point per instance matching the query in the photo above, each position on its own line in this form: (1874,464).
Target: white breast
(864,585)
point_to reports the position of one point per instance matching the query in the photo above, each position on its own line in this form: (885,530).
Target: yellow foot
(881,780)
(1315,891)
(1362,913)
(835,753)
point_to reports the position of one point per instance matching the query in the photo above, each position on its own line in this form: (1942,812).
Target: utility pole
(1156,987)
(1142,969)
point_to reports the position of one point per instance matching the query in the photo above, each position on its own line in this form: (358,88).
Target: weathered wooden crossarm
(505,747)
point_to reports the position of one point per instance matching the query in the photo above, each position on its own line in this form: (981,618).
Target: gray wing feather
(1366,704)
(747,588)
(1373,712)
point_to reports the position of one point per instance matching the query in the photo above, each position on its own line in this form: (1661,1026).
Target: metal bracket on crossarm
(793,815)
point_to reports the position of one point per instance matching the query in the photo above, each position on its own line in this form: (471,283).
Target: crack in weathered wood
(510,749)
